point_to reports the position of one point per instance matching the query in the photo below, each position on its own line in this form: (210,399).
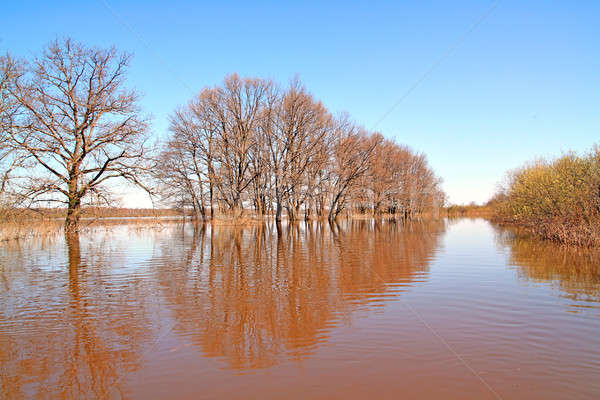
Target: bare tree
(352,151)
(261,167)
(316,180)
(300,126)
(10,158)
(79,125)
(236,113)
(282,150)
(186,160)
(195,127)
(178,181)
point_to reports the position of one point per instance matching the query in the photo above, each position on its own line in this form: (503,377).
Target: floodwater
(455,309)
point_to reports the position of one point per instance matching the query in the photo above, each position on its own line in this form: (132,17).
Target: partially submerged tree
(352,151)
(299,128)
(214,145)
(78,125)
(248,142)
(236,112)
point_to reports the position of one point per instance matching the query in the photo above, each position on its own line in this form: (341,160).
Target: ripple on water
(353,311)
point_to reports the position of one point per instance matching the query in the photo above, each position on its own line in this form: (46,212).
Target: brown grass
(18,224)
(471,210)
(16,227)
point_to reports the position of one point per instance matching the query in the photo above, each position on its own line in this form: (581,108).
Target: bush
(558,199)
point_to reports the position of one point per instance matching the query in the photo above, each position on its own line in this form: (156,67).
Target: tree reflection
(260,294)
(77,315)
(74,332)
(576,270)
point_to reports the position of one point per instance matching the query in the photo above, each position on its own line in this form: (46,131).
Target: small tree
(77,124)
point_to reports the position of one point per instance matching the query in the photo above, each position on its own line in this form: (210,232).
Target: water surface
(449,309)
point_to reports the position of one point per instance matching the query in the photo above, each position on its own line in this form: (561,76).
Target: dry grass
(14,227)
(471,210)
(101,212)
(20,229)
(573,233)
(18,224)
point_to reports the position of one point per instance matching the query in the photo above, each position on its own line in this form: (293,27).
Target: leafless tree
(78,124)
(352,151)
(10,158)
(300,126)
(185,161)
(215,138)
(247,140)
(261,167)
(178,181)
(238,114)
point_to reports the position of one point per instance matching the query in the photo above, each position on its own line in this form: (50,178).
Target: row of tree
(249,143)
(69,126)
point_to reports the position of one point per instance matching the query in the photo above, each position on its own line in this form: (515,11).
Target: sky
(480,87)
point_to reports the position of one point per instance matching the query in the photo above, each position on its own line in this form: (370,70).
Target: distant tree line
(69,127)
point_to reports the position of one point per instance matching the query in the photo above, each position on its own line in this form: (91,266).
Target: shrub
(557,199)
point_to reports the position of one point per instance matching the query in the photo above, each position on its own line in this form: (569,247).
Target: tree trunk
(237,208)
(331,216)
(307,210)
(201,202)
(279,209)
(199,211)
(335,209)
(291,213)
(73,209)
(211,200)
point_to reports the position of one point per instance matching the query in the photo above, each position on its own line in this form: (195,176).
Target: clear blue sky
(525,83)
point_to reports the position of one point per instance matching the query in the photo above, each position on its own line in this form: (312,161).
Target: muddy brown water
(455,309)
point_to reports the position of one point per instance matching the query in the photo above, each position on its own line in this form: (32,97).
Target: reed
(22,225)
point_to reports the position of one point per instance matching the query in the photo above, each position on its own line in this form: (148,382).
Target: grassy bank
(555,199)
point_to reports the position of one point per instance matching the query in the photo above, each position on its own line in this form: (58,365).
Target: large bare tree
(78,124)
